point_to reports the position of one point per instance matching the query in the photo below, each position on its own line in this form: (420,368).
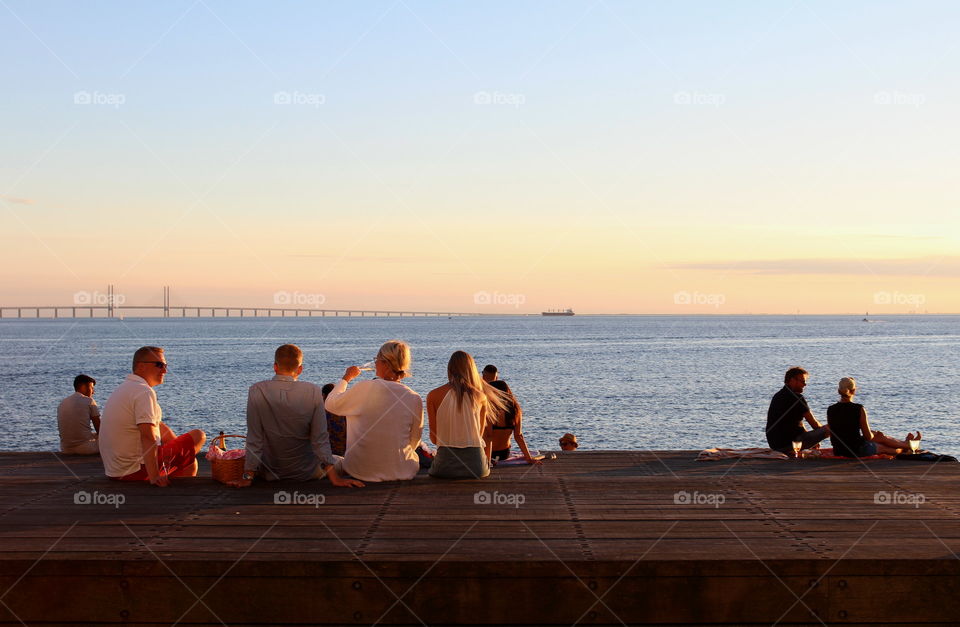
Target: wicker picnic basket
(226,470)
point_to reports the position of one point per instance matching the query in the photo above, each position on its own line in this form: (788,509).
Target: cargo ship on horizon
(558,312)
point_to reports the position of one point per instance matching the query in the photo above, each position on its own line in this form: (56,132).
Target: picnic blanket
(926,456)
(517,459)
(827,453)
(715,454)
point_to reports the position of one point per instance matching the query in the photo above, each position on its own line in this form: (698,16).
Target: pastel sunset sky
(609,156)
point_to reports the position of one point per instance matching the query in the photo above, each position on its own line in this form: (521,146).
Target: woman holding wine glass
(384,418)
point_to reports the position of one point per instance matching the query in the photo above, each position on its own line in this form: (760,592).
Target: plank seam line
(43,495)
(941,505)
(582,540)
(375,524)
(784,530)
(179,520)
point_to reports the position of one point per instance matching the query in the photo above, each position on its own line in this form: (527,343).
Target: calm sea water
(617,382)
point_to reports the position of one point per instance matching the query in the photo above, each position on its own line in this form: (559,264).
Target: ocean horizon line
(396,315)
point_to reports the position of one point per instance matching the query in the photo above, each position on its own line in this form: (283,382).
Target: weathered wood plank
(604,524)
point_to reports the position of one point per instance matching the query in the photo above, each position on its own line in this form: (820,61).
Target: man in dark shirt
(788,410)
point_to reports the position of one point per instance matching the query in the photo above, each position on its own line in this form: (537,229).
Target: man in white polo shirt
(135,444)
(74,416)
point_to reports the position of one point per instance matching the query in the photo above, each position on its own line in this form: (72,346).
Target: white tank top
(458,426)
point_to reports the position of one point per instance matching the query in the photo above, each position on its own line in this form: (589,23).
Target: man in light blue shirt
(287,427)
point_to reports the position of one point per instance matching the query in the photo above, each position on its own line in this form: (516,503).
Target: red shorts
(175,455)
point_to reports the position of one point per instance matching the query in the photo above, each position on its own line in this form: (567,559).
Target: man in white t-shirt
(135,443)
(74,416)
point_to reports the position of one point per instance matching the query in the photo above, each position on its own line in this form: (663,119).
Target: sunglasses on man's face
(158,364)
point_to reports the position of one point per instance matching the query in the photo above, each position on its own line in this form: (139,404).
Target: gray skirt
(459,463)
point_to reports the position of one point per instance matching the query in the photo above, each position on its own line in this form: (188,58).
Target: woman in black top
(509,424)
(850,431)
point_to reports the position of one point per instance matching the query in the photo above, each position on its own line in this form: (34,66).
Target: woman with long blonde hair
(461,413)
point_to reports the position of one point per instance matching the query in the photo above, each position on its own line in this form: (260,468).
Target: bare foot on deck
(910,436)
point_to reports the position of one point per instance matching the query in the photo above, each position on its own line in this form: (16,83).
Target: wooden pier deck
(591,538)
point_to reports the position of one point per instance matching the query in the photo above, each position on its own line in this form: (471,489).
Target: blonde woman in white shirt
(461,413)
(384,419)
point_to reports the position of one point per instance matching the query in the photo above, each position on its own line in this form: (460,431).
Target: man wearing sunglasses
(135,443)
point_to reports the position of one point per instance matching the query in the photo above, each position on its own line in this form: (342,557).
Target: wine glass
(914,445)
(370,365)
(797,445)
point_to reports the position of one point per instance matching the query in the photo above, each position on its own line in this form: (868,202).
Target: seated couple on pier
(847,424)
(287,433)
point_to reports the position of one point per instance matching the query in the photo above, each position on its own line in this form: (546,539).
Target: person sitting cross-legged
(287,427)
(788,409)
(850,431)
(384,418)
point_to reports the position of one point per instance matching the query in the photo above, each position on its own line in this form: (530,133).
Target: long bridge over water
(111,307)
(117,311)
